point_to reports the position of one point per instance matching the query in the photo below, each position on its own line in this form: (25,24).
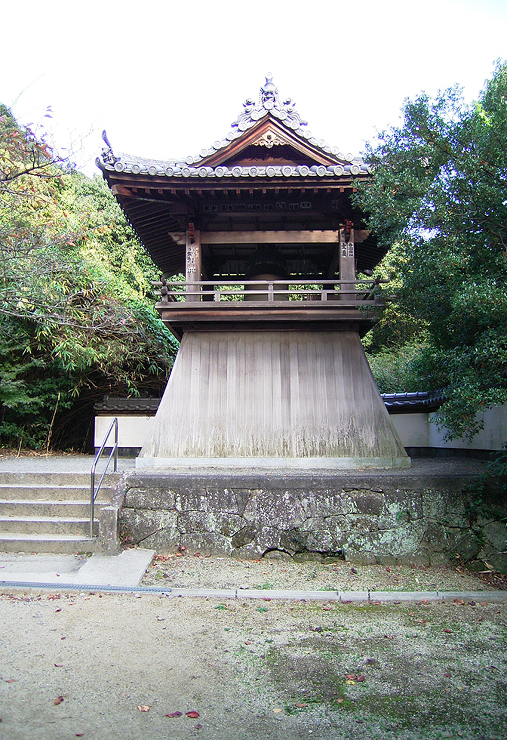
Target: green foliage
(74,281)
(440,193)
(487,494)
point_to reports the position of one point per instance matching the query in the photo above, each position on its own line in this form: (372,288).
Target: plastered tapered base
(272,395)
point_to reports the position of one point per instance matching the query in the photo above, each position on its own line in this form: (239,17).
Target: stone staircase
(50,513)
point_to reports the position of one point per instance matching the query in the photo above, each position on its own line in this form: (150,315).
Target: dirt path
(188,571)
(250,669)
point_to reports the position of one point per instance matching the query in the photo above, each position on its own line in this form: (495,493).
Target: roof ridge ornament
(108,156)
(269,102)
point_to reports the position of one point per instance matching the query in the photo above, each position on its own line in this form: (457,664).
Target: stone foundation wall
(365,518)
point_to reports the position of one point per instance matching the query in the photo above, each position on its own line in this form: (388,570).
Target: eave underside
(155,208)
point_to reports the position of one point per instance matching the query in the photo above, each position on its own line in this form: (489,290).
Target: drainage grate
(84,587)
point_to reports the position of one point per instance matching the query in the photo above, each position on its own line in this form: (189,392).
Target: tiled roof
(125,406)
(412,402)
(395,403)
(268,105)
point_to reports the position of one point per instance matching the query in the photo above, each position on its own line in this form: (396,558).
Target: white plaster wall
(492,437)
(132,430)
(412,428)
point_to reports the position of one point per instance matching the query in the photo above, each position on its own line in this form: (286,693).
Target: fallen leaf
(449,632)
(340,701)
(174,714)
(58,665)
(447,675)
(192,714)
(79,734)
(58,700)
(11,680)
(58,610)
(248,642)
(300,705)
(198,727)
(351,676)
(350,682)
(277,710)
(143,707)
(361,678)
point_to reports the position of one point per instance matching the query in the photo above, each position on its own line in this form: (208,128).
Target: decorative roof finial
(269,93)
(108,155)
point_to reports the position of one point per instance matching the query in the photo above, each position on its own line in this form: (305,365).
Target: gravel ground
(189,571)
(131,667)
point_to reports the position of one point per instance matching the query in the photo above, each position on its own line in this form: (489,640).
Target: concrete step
(49,512)
(64,544)
(32,507)
(46,525)
(55,479)
(24,492)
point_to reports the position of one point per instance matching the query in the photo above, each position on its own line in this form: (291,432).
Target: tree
(440,193)
(75,323)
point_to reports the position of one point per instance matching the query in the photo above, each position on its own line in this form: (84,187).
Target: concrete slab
(59,464)
(272,463)
(124,570)
(404,595)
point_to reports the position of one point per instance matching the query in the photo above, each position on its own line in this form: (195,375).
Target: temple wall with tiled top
(416,430)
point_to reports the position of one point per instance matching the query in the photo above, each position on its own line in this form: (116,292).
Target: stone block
(276,555)
(206,543)
(245,536)
(206,521)
(266,538)
(495,534)
(156,497)
(283,511)
(109,540)
(360,556)
(140,525)
(499,561)
(369,503)
(322,541)
(435,537)
(325,502)
(439,558)
(294,540)
(466,542)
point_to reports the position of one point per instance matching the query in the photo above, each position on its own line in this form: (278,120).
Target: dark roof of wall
(395,403)
(413,402)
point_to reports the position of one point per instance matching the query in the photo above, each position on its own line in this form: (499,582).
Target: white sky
(167,77)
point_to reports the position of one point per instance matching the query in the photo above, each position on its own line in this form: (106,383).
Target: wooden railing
(362,292)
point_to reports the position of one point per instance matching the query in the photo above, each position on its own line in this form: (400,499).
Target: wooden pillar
(193,263)
(347,261)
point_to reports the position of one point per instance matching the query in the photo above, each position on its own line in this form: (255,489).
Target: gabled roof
(269,173)
(270,125)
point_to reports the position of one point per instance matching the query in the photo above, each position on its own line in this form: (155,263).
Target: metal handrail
(114,453)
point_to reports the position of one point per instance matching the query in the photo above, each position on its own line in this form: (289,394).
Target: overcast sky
(167,77)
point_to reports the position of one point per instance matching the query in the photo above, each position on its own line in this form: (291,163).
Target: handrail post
(116,444)
(113,454)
